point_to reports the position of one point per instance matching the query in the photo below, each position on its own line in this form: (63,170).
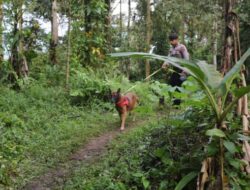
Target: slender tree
(68,47)
(21,56)
(54,32)
(128,38)
(108,25)
(149,34)
(215,42)
(1,31)
(121,22)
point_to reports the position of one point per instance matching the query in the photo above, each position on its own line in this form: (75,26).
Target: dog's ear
(119,91)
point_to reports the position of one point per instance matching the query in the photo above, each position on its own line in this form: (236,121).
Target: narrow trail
(88,153)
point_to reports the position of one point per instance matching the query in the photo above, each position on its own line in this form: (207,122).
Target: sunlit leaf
(215,132)
(145,183)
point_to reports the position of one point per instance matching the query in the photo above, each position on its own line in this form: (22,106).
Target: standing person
(180,51)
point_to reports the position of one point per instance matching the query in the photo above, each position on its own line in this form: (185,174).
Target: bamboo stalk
(239,107)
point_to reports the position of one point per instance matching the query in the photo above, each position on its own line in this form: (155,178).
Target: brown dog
(124,104)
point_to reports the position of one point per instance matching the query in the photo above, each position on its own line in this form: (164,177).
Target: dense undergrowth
(40,128)
(155,156)
(41,123)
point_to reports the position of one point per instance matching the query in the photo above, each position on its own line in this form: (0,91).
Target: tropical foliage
(57,75)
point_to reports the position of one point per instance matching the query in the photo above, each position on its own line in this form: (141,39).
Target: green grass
(120,167)
(153,156)
(39,128)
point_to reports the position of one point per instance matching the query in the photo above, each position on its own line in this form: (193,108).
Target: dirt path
(89,153)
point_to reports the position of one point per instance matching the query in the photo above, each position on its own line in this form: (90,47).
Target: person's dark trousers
(176,81)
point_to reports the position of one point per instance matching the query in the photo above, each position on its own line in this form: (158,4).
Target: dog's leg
(133,116)
(120,116)
(123,118)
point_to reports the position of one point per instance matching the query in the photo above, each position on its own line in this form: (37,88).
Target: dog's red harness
(123,102)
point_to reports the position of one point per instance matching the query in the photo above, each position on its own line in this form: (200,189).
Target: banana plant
(210,80)
(215,86)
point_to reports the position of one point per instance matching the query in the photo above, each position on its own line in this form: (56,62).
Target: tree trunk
(231,51)
(128,39)
(18,59)
(149,35)
(121,23)
(182,27)
(108,26)
(54,32)
(14,47)
(215,28)
(88,32)
(1,31)
(87,17)
(68,50)
(22,59)
(129,21)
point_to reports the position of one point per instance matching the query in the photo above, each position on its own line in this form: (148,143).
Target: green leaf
(206,75)
(243,137)
(236,163)
(185,180)
(212,77)
(212,149)
(138,174)
(215,132)
(121,186)
(230,147)
(145,183)
(241,91)
(230,76)
(238,93)
(160,152)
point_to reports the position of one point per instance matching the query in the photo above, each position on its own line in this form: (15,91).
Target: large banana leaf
(198,69)
(225,84)
(205,74)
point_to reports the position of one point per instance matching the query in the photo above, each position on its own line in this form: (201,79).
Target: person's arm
(184,52)
(185,55)
(166,64)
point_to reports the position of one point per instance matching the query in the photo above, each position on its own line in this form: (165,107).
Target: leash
(157,71)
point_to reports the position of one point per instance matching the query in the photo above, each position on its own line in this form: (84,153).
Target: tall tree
(18,59)
(22,59)
(128,38)
(54,32)
(108,25)
(231,51)
(121,22)
(1,31)
(68,46)
(149,34)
